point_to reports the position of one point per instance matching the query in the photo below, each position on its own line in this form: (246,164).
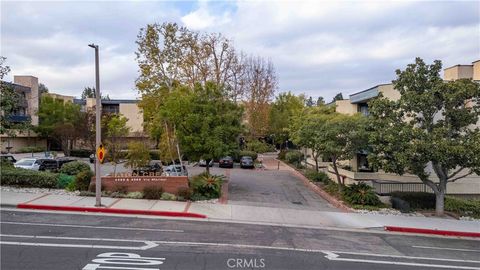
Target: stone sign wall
(170,184)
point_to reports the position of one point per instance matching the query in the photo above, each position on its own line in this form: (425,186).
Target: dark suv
(47,165)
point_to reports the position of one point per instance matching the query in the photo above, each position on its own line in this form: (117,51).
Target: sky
(319,48)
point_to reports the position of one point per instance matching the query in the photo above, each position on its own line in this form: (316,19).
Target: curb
(431,231)
(110,210)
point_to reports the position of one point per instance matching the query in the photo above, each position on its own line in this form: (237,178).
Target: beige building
(358,168)
(27,89)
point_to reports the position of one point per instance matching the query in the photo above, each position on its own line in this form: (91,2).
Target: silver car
(28,163)
(175,170)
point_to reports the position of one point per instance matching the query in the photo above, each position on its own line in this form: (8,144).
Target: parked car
(203,163)
(246,162)
(37,164)
(175,170)
(226,162)
(8,159)
(151,168)
(63,160)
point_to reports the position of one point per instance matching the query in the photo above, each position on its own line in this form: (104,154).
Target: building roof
(366,94)
(18,87)
(459,66)
(108,101)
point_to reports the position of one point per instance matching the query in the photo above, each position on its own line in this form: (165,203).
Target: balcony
(18,118)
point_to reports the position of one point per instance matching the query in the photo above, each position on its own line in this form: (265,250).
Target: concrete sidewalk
(234,213)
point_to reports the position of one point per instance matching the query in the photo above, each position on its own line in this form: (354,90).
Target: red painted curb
(430,231)
(109,210)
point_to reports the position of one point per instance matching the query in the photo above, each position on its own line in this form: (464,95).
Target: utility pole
(98,135)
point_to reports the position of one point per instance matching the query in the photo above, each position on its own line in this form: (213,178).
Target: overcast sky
(318,48)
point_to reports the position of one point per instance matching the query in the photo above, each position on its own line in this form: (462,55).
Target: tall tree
(338,96)
(88,92)
(116,129)
(283,111)
(320,101)
(207,124)
(431,131)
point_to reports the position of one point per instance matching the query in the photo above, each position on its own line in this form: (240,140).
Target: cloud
(319,48)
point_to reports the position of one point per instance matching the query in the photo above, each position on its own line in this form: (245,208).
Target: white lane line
(455,249)
(148,244)
(92,227)
(335,257)
(145,247)
(307,250)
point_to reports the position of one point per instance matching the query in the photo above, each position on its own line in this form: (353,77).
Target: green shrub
(198,197)
(74,167)
(184,193)
(332,188)
(64,180)
(72,186)
(28,178)
(294,157)
(135,195)
(360,193)
(84,153)
(463,207)
(208,186)
(259,147)
(168,196)
(83,179)
(317,176)
(31,149)
(282,154)
(416,200)
(123,189)
(152,192)
(251,154)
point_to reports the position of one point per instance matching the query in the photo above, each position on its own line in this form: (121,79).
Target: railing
(383,188)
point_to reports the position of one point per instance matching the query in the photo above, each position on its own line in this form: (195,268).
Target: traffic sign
(101,153)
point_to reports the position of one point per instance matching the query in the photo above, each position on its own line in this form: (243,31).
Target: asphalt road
(32,240)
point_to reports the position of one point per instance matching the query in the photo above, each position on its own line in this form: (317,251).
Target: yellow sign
(101,153)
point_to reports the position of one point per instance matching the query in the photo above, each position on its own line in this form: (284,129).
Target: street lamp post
(98,106)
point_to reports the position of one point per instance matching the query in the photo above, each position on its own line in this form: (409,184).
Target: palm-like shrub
(360,193)
(208,186)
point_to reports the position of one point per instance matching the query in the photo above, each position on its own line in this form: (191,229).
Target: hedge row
(28,178)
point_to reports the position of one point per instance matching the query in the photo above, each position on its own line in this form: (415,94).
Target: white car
(28,163)
(175,170)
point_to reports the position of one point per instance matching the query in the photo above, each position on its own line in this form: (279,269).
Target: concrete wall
(62,97)
(389,92)
(345,107)
(32,97)
(458,72)
(134,115)
(476,70)
(19,142)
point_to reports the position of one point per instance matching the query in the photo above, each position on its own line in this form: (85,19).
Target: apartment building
(27,89)
(359,169)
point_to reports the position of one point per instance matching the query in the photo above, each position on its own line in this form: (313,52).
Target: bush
(416,200)
(64,180)
(463,207)
(251,154)
(282,154)
(83,153)
(259,147)
(31,149)
(360,193)
(152,192)
(28,178)
(154,154)
(184,193)
(332,188)
(317,176)
(168,196)
(74,167)
(135,195)
(83,179)
(294,157)
(401,205)
(208,186)
(123,189)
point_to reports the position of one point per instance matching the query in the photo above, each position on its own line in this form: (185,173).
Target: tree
(9,103)
(206,123)
(89,92)
(283,110)
(431,130)
(309,102)
(338,96)
(138,155)
(320,101)
(116,129)
(57,121)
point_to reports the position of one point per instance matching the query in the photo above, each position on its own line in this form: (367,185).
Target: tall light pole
(98,138)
